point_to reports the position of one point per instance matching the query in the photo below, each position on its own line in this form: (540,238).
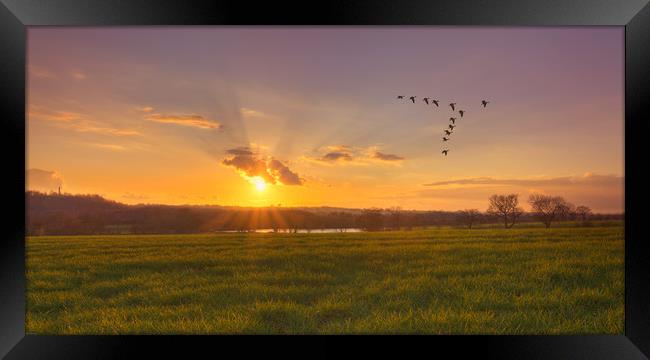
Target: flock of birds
(452,120)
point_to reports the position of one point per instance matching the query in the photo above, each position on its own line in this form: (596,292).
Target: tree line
(66,214)
(544,208)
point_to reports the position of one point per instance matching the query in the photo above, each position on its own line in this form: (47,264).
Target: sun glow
(259,183)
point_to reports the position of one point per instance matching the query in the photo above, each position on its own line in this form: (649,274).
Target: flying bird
(453,120)
(400,96)
(412,99)
(435,102)
(461,112)
(445,151)
(445,139)
(451,127)
(447,132)
(453,106)
(426,100)
(484,103)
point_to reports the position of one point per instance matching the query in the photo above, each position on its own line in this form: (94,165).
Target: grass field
(440,281)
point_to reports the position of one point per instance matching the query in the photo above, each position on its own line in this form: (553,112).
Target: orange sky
(201,115)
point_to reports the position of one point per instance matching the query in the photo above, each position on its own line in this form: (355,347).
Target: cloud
(283,174)
(586,179)
(248,165)
(76,122)
(336,156)
(386,157)
(257,115)
(37,112)
(43,180)
(191,120)
(111,147)
(40,72)
(333,154)
(241,150)
(345,154)
(78,75)
(85,126)
(146,109)
(246,112)
(44,73)
(341,148)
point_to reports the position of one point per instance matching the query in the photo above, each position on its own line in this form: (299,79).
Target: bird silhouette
(435,102)
(451,127)
(426,100)
(448,132)
(400,96)
(453,106)
(453,120)
(461,112)
(412,99)
(484,103)
(445,151)
(445,139)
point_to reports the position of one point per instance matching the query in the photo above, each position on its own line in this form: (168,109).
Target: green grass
(444,281)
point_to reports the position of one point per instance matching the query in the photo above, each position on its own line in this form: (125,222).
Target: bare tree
(583,213)
(507,207)
(469,216)
(567,211)
(549,208)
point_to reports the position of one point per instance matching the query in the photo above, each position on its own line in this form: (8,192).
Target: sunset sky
(309,116)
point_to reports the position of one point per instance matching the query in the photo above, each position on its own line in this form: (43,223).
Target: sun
(259,183)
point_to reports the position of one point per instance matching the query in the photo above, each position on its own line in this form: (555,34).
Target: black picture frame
(15,15)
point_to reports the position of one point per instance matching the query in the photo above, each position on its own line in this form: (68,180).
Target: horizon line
(54,193)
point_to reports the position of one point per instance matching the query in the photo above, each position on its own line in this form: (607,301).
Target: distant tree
(549,208)
(338,220)
(295,220)
(468,217)
(394,218)
(371,220)
(568,211)
(506,207)
(310,222)
(583,213)
(408,220)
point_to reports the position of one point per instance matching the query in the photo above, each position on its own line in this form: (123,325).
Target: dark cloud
(272,171)
(250,166)
(345,154)
(336,153)
(241,150)
(386,157)
(283,173)
(43,180)
(336,156)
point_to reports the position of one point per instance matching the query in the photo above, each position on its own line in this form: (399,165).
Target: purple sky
(556,109)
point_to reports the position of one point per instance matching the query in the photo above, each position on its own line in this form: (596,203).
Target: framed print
(469,172)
